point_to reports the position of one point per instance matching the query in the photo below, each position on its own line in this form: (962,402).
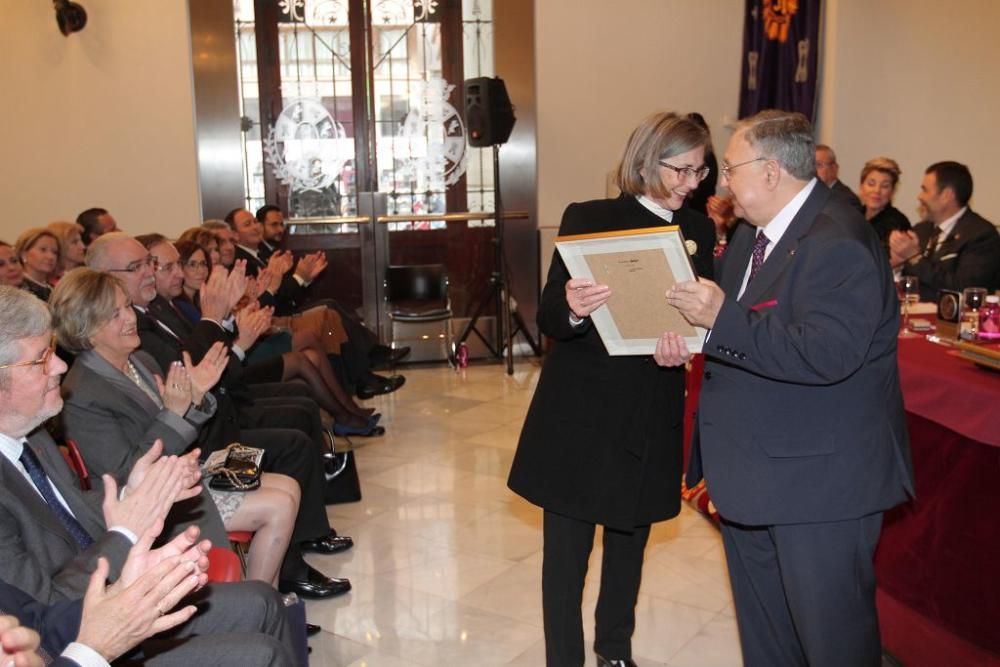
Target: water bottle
(989,319)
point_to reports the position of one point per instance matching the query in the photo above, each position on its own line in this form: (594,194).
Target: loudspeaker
(489,116)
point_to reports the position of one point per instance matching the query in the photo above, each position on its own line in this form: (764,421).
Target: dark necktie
(41,481)
(757,256)
(932,242)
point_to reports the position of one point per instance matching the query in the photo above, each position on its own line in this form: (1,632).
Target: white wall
(602,67)
(917,81)
(103,117)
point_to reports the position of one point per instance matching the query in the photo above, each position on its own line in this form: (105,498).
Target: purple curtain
(780,56)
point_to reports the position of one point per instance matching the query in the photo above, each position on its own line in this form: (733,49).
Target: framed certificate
(639,265)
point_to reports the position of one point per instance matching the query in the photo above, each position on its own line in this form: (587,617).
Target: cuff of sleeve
(300,280)
(238,351)
(575,321)
(126,533)
(84,655)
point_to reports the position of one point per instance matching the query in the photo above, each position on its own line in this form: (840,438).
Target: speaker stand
(498,291)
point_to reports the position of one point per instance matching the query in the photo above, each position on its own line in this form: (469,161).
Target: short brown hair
(658,137)
(886,165)
(82,303)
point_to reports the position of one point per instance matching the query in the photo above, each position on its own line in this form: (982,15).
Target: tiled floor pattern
(446,566)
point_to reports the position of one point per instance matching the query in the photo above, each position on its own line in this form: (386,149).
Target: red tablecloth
(939,553)
(948,390)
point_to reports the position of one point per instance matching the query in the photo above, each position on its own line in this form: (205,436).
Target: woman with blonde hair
(71,247)
(120,393)
(602,440)
(38,250)
(879,179)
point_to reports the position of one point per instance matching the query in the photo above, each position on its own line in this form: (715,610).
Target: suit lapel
(951,243)
(784,252)
(98,365)
(24,494)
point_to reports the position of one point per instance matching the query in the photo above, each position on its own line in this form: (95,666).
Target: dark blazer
(291,295)
(968,257)
(602,438)
(43,292)
(841,190)
(801,414)
(36,551)
(114,423)
(57,625)
(887,221)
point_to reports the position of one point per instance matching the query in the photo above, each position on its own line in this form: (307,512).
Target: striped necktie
(41,481)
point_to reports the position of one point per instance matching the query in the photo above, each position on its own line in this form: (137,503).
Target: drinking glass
(908,289)
(973,299)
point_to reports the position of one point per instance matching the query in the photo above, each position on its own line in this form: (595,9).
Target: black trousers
(566,550)
(805,593)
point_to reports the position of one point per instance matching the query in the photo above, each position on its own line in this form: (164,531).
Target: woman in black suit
(879,178)
(602,441)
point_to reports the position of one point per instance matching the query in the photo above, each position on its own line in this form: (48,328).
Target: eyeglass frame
(195,264)
(725,169)
(43,361)
(14,259)
(132,267)
(700,173)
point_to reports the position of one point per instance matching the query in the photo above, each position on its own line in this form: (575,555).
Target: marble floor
(446,567)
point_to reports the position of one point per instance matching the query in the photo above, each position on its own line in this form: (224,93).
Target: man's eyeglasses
(13,261)
(726,168)
(701,173)
(137,265)
(42,361)
(164,268)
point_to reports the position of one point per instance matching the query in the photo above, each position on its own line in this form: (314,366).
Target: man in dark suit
(801,431)
(363,351)
(53,535)
(954,248)
(828,171)
(280,425)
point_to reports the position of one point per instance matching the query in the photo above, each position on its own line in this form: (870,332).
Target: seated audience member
(226,237)
(54,535)
(118,403)
(95,222)
(879,179)
(272,223)
(287,427)
(38,250)
(828,171)
(71,247)
(954,248)
(110,621)
(311,367)
(290,294)
(11,273)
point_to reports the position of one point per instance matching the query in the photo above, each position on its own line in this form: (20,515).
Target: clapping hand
(903,246)
(206,374)
(280,263)
(18,644)
(142,557)
(116,620)
(162,483)
(176,389)
(214,295)
(252,321)
(268,280)
(311,266)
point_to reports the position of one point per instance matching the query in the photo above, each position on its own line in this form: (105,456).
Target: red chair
(74,459)
(224,566)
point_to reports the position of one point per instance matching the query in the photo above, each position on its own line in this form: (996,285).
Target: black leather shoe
(330,544)
(316,586)
(383,355)
(620,662)
(312,629)
(377,384)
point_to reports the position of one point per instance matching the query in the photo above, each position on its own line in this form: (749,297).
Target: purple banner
(780,56)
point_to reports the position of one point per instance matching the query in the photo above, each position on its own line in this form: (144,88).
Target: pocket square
(764,304)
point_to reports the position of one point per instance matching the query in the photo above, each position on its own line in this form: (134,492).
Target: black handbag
(236,468)
(342,482)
